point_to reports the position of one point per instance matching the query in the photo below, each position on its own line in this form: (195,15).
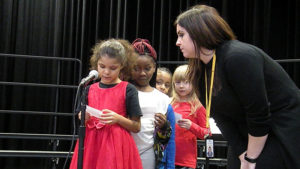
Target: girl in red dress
(193,123)
(108,143)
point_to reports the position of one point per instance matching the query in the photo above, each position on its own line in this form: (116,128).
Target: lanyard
(208,102)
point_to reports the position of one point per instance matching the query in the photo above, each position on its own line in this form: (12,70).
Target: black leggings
(181,167)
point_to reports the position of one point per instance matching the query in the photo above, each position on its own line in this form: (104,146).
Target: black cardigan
(253,94)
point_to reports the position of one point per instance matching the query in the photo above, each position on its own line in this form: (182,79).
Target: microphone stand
(81,129)
(82,86)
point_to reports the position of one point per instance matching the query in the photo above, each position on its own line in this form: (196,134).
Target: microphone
(93,75)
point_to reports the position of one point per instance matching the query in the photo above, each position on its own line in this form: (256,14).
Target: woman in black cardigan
(252,99)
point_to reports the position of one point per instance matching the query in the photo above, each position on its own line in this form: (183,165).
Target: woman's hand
(87,116)
(109,117)
(185,123)
(160,120)
(245,164)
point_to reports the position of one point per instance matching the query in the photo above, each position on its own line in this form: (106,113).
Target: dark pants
(180,167)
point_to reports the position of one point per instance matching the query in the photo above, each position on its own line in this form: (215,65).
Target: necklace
(208,99)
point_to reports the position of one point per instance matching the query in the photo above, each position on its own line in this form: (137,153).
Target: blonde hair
(180,74)
(119,49)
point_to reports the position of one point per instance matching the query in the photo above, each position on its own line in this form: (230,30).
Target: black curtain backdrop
(69,28)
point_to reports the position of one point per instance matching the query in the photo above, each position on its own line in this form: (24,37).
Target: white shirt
(150,103)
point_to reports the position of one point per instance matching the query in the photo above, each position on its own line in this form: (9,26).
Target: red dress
(108,146)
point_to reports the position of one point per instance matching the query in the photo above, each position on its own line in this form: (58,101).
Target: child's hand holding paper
(177,117)
(93,112)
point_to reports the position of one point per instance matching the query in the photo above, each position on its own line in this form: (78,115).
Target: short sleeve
(132,102)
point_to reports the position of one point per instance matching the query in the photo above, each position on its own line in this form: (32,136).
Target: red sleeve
(199,127)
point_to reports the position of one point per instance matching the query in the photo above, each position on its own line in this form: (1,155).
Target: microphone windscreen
(94,73)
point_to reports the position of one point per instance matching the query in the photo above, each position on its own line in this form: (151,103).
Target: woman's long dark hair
(207,29)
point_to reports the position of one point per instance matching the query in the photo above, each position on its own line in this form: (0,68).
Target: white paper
(177,117)
(93,112)
(213,127)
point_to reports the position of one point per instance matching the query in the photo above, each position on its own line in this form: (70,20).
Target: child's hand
(110,117)
(208,133)
(160,120)
(87,116)
(184,123)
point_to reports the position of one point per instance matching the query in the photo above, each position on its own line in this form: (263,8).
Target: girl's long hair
(180,74)
(119,49)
